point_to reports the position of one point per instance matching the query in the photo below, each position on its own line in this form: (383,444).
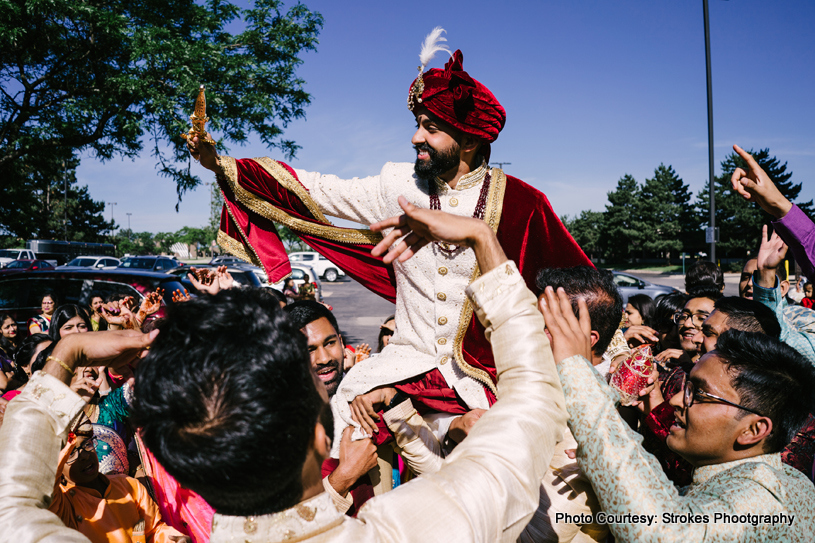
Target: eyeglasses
(88,446)
(696,319)
(691,393)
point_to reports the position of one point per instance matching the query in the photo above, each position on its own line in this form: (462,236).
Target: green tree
(739,221)
(110,77)
(586,229)
(134,243)
(622,227)
(660,212)
(36,206)
(290,239)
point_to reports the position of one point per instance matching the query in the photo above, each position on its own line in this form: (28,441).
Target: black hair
(50,294)
(597,288)
(644,304)
(227,401)
(63,314)
(25,353)
(704,280)
(665,306)
(772,378)
(384,332)
(748,316)
(95,294)
(6,344)
(39,363)
(305,312)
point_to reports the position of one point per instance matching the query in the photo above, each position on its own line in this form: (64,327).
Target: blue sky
(593,90)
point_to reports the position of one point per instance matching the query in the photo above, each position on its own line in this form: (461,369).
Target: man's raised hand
(204,153)
(770,255)
(422,226)
(756,186)
(570,335)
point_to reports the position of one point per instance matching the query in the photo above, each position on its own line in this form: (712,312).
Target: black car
(150,263)
(21,294)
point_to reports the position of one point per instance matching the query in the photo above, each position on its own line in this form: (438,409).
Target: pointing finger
(748,158)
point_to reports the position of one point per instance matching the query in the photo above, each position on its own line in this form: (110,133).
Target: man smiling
(734,414)
(325,345)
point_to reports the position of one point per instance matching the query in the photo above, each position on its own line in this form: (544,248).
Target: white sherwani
(431,309)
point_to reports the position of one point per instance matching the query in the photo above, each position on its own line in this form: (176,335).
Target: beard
(438,162)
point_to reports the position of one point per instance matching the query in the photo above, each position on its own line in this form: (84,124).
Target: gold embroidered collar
(468,181)
(302,521)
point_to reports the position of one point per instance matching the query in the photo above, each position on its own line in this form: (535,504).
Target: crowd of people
(492,409)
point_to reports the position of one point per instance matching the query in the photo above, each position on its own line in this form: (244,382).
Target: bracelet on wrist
(63,364)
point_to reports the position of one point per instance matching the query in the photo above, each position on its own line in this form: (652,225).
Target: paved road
(359,311)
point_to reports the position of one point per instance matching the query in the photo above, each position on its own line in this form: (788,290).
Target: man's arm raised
(489,487)
(795,228)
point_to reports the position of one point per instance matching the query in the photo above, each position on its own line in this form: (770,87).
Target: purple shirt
(798,232)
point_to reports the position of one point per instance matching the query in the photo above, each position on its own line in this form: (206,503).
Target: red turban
(461,101)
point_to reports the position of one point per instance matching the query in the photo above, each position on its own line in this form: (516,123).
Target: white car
(98,262)
(10,255)
(327,269)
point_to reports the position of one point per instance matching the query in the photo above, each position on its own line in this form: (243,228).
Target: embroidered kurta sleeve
(488,488)
(798,232)
(35,424)
(629,481)
(419,446)
(359,199)
(797,322)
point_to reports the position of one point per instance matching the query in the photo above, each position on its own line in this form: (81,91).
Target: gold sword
(199,120)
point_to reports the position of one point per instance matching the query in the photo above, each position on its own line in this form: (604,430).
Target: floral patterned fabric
(645,505)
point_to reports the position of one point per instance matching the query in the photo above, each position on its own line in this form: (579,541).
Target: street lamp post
(111,204)
(65,210)
(129,232)
(711,233)
(501,164)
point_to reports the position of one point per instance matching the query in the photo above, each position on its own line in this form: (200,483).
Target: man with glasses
(104,507)
(689,323)
(732,421)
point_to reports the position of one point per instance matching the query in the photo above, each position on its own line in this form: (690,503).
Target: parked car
(21,294)
(98,262)
(629,285)
(9,255)
(327,269)
(17,266)
(150,263)
(226,260)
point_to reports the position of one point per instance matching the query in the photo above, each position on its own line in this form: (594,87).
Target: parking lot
(359,311)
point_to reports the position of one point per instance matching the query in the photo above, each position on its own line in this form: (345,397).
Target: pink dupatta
(180,507)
